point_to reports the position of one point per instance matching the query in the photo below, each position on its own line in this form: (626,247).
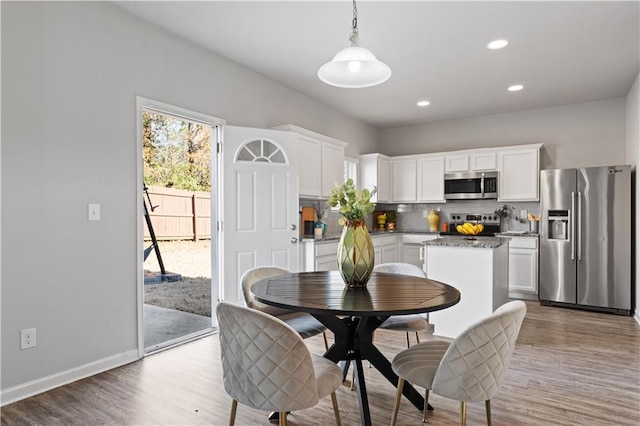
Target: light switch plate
(94,211)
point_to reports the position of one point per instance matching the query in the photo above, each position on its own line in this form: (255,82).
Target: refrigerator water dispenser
(558,224)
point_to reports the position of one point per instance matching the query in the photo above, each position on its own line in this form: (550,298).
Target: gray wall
(585,134)
(633,158)
(70,75)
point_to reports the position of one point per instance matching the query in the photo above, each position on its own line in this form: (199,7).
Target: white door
(259,204)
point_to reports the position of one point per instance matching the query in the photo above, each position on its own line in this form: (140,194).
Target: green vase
(355,254)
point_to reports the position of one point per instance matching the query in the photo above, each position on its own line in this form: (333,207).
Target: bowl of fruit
(469,229)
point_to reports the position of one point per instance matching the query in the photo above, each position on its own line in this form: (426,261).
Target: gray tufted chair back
(254,275)
(401,269)
(265,363)
(474,366)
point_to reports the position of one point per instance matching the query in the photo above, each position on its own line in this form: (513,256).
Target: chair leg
(463,413)
(487,404)
(353,379)
(426,405)
(408,343)
(234,408)
(396,405)
(417,337)
(326,343)
(336,412)
(283,418)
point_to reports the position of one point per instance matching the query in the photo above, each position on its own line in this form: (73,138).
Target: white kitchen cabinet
(385,248)
(310,169)
(456,163)
(430,175)
(412,250)
(519,173)
(375,171)
(320,256)
(523,268)
(332,167)
(404,180)
(470,161)
(482,161)
(321,162)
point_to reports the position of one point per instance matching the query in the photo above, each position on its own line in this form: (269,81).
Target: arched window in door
(261,151)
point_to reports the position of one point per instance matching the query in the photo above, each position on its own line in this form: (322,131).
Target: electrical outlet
(425,213)
(523,214)
(27,338)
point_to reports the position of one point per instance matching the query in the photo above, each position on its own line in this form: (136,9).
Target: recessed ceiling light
(497,44)
(515,87)
(423,103)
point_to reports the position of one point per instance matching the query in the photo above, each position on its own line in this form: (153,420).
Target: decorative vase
(322,225)
(433,219)
(355,254)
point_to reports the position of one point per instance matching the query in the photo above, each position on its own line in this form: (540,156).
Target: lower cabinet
(320,256)
(523,268)
(412,250)
(385,248)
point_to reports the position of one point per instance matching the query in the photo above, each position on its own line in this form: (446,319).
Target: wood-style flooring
(570,367)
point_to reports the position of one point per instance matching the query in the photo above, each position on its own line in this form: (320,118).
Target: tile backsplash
(411,216)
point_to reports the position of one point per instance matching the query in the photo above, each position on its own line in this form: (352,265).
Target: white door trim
(217,123)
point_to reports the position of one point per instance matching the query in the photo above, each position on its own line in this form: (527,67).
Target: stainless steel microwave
(471,186)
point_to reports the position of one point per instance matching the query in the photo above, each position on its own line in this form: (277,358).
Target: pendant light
(355,66)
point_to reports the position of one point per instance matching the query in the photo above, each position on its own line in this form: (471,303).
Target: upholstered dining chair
(302,322)
(407,323)
(472,368)
(267,366)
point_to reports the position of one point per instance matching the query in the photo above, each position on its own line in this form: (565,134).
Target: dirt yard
(190,259)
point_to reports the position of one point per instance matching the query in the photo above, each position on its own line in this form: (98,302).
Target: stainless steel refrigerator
(585,238)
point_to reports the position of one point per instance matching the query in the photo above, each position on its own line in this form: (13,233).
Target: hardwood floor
(570,367)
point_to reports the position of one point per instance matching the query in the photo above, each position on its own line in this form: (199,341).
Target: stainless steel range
(490,221)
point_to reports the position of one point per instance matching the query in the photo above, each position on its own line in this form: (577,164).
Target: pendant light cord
(354,39)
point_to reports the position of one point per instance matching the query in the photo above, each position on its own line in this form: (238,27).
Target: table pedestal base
(353,344)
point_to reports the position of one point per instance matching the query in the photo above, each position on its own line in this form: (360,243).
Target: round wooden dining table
(353,314)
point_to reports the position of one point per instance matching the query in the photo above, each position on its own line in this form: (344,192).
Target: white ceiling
(562,52)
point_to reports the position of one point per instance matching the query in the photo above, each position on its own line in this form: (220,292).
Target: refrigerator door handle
(573,226)
(579,239)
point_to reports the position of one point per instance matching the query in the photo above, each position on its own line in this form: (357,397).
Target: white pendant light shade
(354,67)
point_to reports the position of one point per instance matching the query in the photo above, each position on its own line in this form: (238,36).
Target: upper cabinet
(403,179)
(332,167)
(430,178)
(518,173)
(420,178)
(481,161)
(321,162)
(475,161)
(456,163)
(375,171)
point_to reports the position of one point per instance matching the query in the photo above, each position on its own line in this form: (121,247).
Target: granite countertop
(479,242)
(333,237)
(518,234)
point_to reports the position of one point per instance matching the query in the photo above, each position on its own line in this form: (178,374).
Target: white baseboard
(34,387)
(637,316)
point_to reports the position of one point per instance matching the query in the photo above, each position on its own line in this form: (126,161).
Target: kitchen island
(478,268)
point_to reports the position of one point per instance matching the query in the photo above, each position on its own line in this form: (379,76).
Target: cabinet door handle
(294,240)
(422,252)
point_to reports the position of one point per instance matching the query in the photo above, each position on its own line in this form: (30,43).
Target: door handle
(294,240)
(293,227)
(579,239)
(572,216)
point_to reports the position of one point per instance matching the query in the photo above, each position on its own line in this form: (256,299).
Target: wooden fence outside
(179,214)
